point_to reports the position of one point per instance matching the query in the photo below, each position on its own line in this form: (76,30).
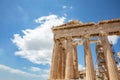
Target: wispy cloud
(17,74)
(36,44)
(71,7)
(16,71)
(39,70)
(67,7)
(65,14)
(35,69)
(64,7)
(20,9)
(23,13)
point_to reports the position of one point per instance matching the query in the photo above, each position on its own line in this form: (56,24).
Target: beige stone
(69,72)
(75,62)
(111,65)
(64,65)
(90,75)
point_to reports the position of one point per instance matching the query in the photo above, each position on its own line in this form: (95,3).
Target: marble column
(69,72)
(56,61)
(90,73)
(63,59)
(59,58)
(109,57)
(75,62)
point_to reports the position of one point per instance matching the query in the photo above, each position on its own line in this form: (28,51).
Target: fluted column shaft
(60,53)
(55,72)
(63,59)
(109,57)
(90,73)
(75,62)
(69,72)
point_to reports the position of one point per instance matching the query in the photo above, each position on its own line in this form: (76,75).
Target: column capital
(58,41)
(102,33)
(69,38)
(84,37)
(75,45)
(86,41)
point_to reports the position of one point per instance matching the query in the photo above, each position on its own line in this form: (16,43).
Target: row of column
(65,63)
(64,60)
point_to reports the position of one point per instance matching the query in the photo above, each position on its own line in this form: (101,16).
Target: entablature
(77,29)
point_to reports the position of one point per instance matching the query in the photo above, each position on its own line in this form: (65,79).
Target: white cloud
(35,69)
(113,39)
(67,7)
(39,70)
(16,71)
(64,7)
(80,67)
(17,74)
(36,44)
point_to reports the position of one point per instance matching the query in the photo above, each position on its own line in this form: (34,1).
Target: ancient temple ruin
(64,64)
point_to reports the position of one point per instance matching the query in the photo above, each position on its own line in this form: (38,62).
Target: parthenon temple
(64,64)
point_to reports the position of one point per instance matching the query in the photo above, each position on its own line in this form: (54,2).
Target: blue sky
(26,39)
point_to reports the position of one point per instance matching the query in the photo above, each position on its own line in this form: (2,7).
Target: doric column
(90,73)
(69,72)
(55,72)
(75,62)
(109,57)
(60,53)
(63,59)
